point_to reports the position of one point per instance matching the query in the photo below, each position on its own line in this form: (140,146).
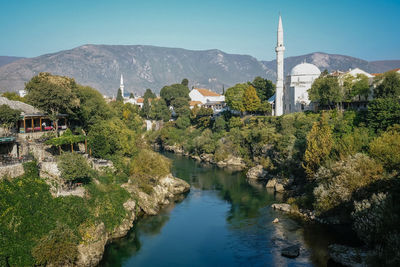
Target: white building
(208,99)
(205,95)
(297,83)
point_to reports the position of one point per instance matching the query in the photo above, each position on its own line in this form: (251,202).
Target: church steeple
(280,48)
(121,86)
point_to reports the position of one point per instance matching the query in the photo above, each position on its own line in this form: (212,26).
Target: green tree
(92,108)
(185,82)
(319,145)
(387,85)
(325,90)
(181,106)
(8,117)
(149,94)
(174,91)
(386,148)
(383,113)
(251,102)
(52,94)
(265,88)
(235,122)
(159,110)
(234,97)
(120,97)
(74,167)
(111,137)
(356,86)
(219,124)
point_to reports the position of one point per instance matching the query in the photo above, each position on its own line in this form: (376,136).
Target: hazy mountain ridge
(100,66)
(4,60)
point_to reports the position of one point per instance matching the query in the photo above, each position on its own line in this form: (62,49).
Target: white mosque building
(291,95)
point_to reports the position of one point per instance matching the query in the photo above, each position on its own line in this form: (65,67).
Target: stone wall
(12,171)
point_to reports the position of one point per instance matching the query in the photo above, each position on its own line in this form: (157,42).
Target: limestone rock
(271,183)
(12,171)
(256,172)
(291,251)
(127,223)
(282,207)
(279,188)
(91,251)
(348,256)
(276,220)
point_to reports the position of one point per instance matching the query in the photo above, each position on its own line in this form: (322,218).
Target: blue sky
(365,29)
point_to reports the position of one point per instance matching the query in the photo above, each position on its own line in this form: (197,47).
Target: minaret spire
(121,86)
(280,48)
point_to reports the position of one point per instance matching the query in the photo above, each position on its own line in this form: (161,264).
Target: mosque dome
(305,69)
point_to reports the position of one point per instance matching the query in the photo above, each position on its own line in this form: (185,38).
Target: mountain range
(143,66)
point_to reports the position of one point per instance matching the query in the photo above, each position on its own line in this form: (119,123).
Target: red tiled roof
(194,103)
(139,100)
(206,92)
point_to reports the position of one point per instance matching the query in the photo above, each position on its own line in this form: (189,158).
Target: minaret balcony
(279,48)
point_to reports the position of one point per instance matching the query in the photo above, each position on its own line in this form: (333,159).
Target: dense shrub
(58,247)
(386,148)
(338,182)
(74,167)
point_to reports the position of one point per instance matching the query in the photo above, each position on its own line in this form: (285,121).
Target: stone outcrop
(95,238)
(348,256)
(11,171)
(256,172)
(278,184)
(232,161)
(176,149)
(91,250)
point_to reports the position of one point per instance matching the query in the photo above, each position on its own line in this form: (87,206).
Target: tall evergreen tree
(119,95)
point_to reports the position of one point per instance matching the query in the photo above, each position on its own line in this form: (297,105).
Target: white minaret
(122,86)
(279,70)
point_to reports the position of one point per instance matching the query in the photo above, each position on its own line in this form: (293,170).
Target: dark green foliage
(265,88)
(52,94)
(181,106)
(388,85)
(183,122)
(120,97)
(174,91)
(219,124)
(92,108)
(326,91)
(185,82)
(8,116)
(149,94)
(159,110)
(74,167)
(386,148)
(383,112)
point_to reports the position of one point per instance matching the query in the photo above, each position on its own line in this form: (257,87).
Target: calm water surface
(223,221)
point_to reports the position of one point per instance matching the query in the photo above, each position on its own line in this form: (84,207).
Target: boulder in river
(291,251)
(256,172)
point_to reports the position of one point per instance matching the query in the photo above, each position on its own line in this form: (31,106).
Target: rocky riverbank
(230,161)
(166,191)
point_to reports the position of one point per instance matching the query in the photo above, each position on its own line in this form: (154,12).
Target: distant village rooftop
(206,92)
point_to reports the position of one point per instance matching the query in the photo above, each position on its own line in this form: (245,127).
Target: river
(223,221)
